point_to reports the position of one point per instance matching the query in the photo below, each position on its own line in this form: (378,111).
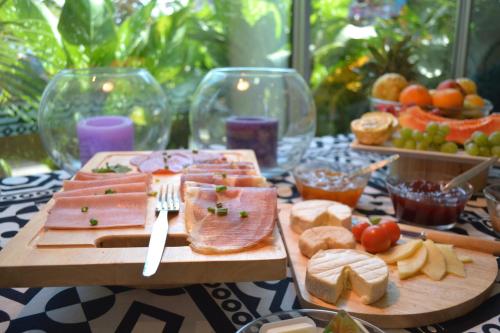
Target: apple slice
(412,265)
(401,251)
(435,266)
(453,264)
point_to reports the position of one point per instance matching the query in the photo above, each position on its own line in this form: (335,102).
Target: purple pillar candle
(104,133)
(257,133)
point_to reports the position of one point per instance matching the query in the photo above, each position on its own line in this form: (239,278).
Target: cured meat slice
(82,175)
(221,171)
(173,161)
(108,211)
(211,233)
(217,179)
(231,165)
(99,190)
(80,184)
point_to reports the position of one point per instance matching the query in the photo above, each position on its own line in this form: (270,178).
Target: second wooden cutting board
(413,302)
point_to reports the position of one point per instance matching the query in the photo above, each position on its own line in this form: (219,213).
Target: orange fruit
(415,94)
(467,85)
(448,99)
(473,101)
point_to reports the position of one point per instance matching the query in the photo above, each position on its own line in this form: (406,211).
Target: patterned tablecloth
(220,307)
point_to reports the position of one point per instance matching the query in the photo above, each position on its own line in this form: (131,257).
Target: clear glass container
(84,111)
(269,110)
(320,317)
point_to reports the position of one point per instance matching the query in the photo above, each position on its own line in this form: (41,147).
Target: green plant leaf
(89,23)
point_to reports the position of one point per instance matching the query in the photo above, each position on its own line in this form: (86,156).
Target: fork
(167,201)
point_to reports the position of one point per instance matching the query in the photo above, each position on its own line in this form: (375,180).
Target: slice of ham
(217,179)
(174,160)
(99,190)
(232,165)
(211,234)
(69,185)
(110,211)
(82,175)
(222,171)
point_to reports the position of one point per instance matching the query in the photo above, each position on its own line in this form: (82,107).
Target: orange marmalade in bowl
(324,180)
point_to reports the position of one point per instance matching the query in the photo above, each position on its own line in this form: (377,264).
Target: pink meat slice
(82,175)
(98,190)
(217,179)
(210,233)
(174,160)
(221,171)
(80,184)
(110,211)
(232,165)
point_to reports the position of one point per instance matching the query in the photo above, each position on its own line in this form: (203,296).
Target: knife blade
(156,245)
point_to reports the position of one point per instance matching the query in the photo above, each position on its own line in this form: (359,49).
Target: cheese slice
(325,237)
(330,272)
(294,325)
(339,215)
(313,213)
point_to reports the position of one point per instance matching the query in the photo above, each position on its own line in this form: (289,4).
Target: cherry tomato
(375,239)
(357,230)
(392,230)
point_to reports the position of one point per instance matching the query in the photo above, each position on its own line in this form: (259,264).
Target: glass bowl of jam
(323,179)
(421,201)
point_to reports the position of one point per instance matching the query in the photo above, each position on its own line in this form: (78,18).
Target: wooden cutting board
(413,302)
(39,257)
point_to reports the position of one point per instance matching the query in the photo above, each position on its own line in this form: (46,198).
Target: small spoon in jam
(471,173)
(372,167)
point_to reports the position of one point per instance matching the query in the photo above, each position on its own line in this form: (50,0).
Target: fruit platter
(430,128)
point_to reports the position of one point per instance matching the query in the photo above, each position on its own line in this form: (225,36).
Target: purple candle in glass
(104,133)
(257,133)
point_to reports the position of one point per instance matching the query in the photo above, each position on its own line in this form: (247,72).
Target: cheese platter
(44,255)
(408,302)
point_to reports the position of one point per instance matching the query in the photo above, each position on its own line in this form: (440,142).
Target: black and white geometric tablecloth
(221,307)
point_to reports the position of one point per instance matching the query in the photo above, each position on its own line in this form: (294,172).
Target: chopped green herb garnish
(153,194)
(85,209)
(109,191)
(220,188)
(195,151)
(221,211)
(117,168)
(243,213)
(224,175)
(375,220)
(211,210)
(93,222)
(218,205)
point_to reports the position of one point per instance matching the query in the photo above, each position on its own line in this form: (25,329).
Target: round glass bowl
(419,200)
(84,111)
(320,317)
(324,179)
(395,107)
(492,195)
(268,110)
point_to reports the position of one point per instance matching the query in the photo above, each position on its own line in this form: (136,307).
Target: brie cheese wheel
(340,215)
(330,272)
(325,237)
(313,213)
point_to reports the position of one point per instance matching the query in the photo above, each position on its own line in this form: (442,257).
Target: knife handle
(466,242)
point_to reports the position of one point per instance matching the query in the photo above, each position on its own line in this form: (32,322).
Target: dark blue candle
(257,133)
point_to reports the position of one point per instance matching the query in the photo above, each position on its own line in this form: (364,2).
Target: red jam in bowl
(423,202)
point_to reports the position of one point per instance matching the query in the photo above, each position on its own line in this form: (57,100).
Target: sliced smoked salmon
(460,130)
(80,184)
(98,211)
(105,189)
(250,217)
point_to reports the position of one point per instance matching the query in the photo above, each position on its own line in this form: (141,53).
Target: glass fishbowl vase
(268,110)
(85,111)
